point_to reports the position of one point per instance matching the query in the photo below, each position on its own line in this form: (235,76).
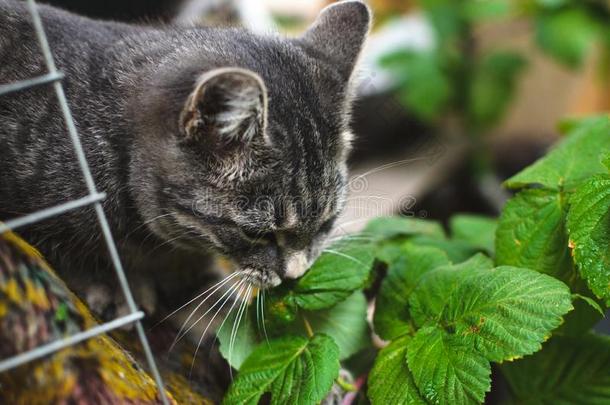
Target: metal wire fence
(94,198)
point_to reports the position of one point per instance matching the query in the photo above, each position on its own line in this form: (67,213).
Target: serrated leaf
(434,288)
(293,369)
(392,317)
(390,250)
(588,227)
(457,250)
(341,270)
(507,312)
(390,227)
(567,34)
(445,370)
(591,302)
(477,230)
(390,380)
(586,313)
(567,371)
(572,161)
(531,233)
(345,323)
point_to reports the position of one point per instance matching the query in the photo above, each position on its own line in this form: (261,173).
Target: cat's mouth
(256,277)
(262,279)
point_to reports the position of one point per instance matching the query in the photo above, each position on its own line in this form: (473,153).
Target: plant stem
(345,386)
(308,328)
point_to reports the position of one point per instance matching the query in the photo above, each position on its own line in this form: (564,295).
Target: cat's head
(244,146)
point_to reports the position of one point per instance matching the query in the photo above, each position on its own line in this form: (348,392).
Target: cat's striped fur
(203,139)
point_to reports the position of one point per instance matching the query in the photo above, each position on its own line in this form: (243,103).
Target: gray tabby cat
(205,140)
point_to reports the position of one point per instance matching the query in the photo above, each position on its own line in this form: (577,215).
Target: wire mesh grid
(94,198)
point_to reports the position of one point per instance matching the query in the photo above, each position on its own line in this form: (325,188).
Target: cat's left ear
(339,33)
(228,105)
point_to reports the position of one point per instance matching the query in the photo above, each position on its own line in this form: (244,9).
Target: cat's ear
(339,33)
(228,105)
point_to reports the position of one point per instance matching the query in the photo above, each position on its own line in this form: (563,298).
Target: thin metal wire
(26,84)
(50,212)
(90,183)
(52,347)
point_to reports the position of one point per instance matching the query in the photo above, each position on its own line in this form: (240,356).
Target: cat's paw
(104,302)
(109,302)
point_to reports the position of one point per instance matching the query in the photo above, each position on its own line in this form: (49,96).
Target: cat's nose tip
(296,265)
(275,281)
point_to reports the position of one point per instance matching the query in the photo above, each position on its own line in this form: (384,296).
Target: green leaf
(566,371)
(477,230)
(569,124)
(391,227)
(390,250)
(391,317)
(425,89)
(428,90)
(345,323)
(477,10)
(457,250)
(531,233)
(591,302)
(507,312)
(606,161)
(244,342)
(588,227)
(433,290)
(493,88)
(574,160)
(445,370)
(341,270)
(586,313)
(293,369)
(446,19)
(390,381)
(567,35)
(552,3)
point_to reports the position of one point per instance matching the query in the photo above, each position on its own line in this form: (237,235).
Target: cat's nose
(296,265)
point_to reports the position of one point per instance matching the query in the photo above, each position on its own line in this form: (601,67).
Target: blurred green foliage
(457,78)
(454,77)
(568,29)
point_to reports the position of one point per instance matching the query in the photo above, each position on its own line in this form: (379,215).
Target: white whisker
(263,317)
(229,291)
(236,324)
(241,282)
(334,252)
(218,284)
(386,166)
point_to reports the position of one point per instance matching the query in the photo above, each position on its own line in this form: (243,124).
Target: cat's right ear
(227,106)
(339,33)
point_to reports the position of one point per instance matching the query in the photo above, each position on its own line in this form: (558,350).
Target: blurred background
(454,95)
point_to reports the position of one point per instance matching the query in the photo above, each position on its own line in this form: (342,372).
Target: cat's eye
(258,236)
